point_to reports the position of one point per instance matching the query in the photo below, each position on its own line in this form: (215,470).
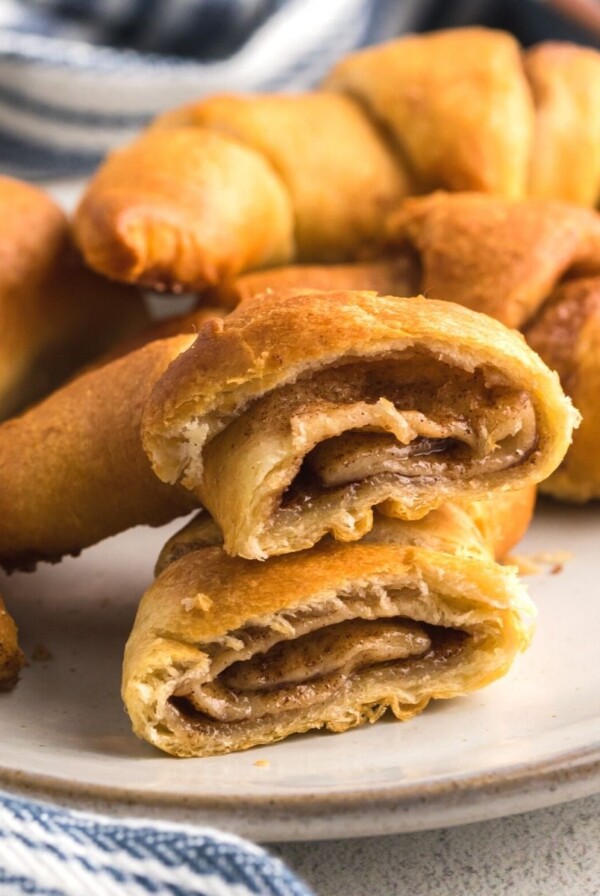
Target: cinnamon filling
(298,673)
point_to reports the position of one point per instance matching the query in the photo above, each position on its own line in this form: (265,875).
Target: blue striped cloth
(46,851)
(78,77)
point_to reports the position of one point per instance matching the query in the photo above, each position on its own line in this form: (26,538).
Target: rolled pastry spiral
(222,657)
(55,314)
(300,412)
(233,183)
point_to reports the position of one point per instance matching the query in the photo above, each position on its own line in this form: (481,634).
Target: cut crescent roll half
(300,412)
(226,654)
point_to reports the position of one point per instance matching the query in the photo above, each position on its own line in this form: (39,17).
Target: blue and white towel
(47,851)
(78,77)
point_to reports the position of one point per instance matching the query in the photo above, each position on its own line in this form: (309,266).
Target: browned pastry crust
(222,657)
(493,255)
(72,469)
(234,183)
(11,658)
(456,102)
(55,315)
(566,334)
(185,206)
(300,412)
(565,81)
(496,256)
(341,183)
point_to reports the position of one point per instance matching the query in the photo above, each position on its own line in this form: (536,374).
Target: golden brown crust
(72,469)
(55,315)
(11,658)
(493,255)
(187,206)
(565,82)
(341,183)
(456,102)
(239,414)
(566,334)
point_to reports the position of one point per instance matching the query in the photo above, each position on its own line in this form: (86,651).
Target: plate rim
(515,787)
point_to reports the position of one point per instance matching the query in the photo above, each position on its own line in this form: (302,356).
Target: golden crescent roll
(300,412)
(55,315)
(11,658)
(226,654)
(566,334)
(565,81)
(456,102)
(495,255)
(232,183)
(72,469)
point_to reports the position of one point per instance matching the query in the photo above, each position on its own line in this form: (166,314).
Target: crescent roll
(11,658)
(566,334)
(300,412)
(457,103)
(226,654)
(494,255)
(313,140)
(565,83)
(72,469)
(55,315)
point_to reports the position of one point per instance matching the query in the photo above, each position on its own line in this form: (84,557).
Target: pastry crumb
(41,654)
(534,564)
(262,763)
(199,602)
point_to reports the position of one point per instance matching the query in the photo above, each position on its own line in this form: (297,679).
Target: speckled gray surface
(552,852)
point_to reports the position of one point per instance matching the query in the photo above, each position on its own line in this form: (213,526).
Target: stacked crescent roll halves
(376,453)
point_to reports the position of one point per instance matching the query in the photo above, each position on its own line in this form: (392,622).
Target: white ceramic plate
(527,741)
